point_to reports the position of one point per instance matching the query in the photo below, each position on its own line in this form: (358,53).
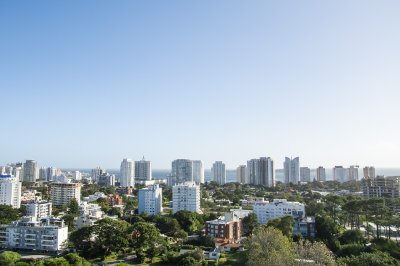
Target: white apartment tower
(198,171)
(186,196)
(353,173)
(321,174)
(241,174)
(181,171)
(127,173)
(143,170)
(292,170)
(339,174)
(261,172)
(10,191)
(219,173)
(369,172)
(31,171)
(305,174)
(150,200)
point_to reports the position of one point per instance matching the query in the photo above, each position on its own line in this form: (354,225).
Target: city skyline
(211,81)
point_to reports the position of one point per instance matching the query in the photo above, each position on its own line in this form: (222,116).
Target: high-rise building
(10,191)
(18,172)
(76,175)
(241,174)
(353,173)
(186,196)
(321,175)
(219,173)
(150,200)
(339,174)
(51,173)
(369,172)
(181,171)
(63,193)
(143,170)
(261,172)
(43,174)
(198,171)
(31,171)
(97,172)
(127,173)
(106,180)
(305,174)
(292,170)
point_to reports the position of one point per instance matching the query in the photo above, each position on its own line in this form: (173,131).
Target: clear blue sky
(87,83)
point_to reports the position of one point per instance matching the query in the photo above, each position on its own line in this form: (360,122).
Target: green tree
(143,235)
(75,260)
(111,235)
(167,225)
(69,220)
(103,203)
(250,222)
(9,258)
(189,221)
(56,262)
(268,246)
(352,237)
(73,208)
(315,251)
(181,234)
(189,261)
(285,224)
(377,258)
(81,238)
(8,214)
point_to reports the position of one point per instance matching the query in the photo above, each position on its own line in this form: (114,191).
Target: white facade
(76,175)
(353,173)
(143,170)
(321,174)
(261,172)
(39,209)
(339,174)
(63,193)
(43,174)
(181,171)
(31,234)
(150,200)
(266,211)
(10,191)
(127,173)
(198,172)
(51,172)
(94,197)
(31,171)
(369,172)
(305,174)
(292,170)
(241,174)
(219,173)
(89,213)
(186,197)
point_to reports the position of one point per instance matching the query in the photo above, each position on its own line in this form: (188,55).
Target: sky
(88,83)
